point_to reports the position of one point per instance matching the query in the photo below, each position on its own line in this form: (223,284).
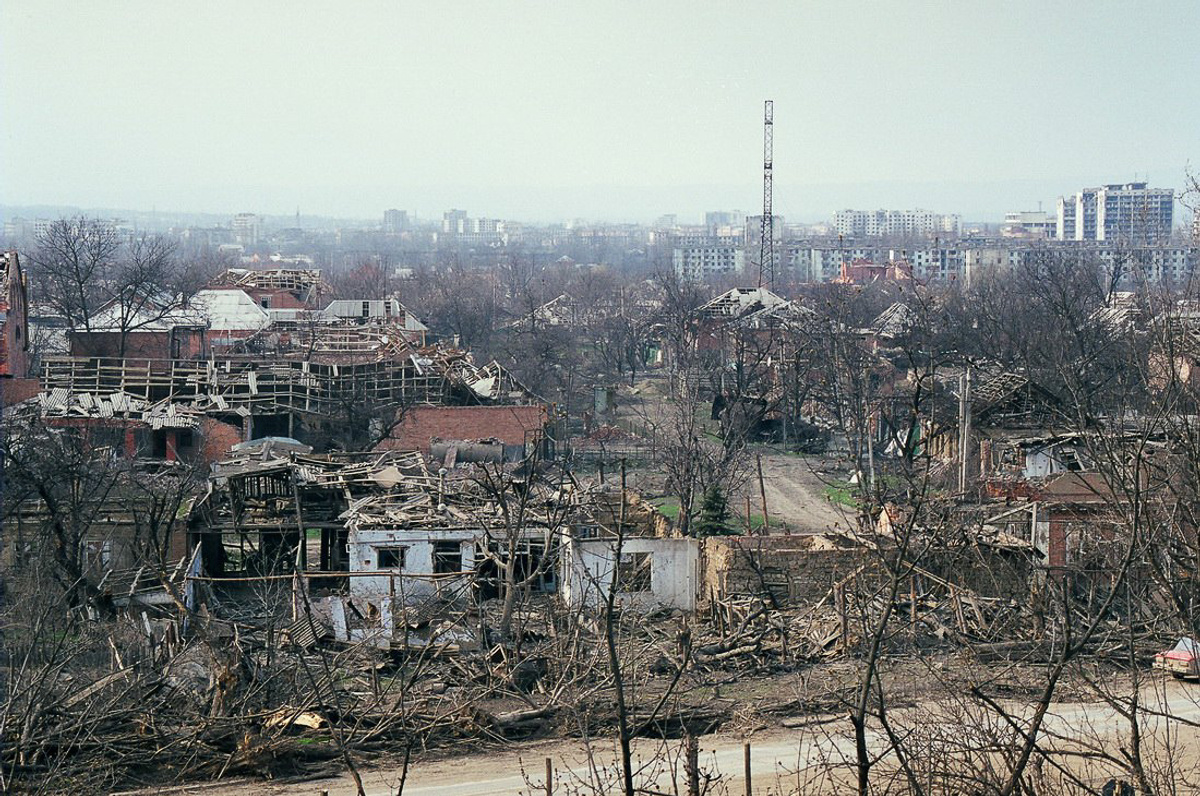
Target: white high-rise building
(1125,213)
(895,223)
(454,222)
(395,221)
(246,228)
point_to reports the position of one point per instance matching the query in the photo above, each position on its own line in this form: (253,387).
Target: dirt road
(775,752)
(795,488)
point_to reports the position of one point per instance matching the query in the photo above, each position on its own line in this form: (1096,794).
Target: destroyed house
(135,429)
(124,516)
(278,288)
(286,387)
(490,417)
(434,538)
(1077,515)
(158,329)
(562,310)
(232,315)
(713,317)
(375,542)
(1007,427)
(389,311)
(260,510)
(1174,358)
(892,325)
(632,548)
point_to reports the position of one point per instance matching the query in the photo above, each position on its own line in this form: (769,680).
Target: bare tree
(83,267)
(71,264)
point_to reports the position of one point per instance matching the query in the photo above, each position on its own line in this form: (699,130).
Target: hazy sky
(597,109)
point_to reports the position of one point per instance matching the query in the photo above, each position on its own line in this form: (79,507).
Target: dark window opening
(633,572)
(447,558)
(390,557)
(528,558)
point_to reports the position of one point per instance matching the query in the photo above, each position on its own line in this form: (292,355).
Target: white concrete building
(702,261)
(652,571)
(247,228)
(895,223)
(1128,213)
(395,221)
(1030,225)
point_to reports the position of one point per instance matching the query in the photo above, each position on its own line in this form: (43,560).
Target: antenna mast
(766,245)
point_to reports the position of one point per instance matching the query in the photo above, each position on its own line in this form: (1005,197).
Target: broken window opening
(633,572)
(447,558)
(390,557)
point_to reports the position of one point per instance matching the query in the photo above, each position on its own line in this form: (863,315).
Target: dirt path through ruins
(796,492)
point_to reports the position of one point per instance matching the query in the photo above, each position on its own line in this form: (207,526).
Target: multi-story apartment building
(395,221)
(822,262)
(896,223)
(1157,264)
(1131,213)
(1030,225)
(698,260)
(247,228)
(454,222)
(932,263)
(970,261)
(753,229)
(717,219)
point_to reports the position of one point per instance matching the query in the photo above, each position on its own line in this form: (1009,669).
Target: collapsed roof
(739,301)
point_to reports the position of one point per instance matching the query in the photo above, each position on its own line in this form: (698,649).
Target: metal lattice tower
(766,245)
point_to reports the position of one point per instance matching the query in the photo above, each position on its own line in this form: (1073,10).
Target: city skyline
(864,200)
(552,112)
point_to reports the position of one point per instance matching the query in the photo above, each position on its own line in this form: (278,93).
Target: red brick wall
(279,299)
(150,345)
(216,437)
(1057,553)
(193,343)
(508,424)
(13,391)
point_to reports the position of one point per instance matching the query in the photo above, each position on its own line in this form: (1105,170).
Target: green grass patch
(668,507)
(310,740)
(842,494)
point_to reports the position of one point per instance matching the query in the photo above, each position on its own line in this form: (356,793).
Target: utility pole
(766,246)
(964,427)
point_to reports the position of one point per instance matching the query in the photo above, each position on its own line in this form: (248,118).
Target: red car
(1183,660)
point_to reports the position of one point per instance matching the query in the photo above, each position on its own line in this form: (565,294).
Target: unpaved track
(775,751)
(796,493)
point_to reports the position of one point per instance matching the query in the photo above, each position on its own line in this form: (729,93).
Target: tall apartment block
(395,221)
(247,227)
(879,223)
(1126,213)
(701,260)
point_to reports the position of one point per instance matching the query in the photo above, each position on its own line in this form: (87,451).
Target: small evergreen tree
(714,514)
